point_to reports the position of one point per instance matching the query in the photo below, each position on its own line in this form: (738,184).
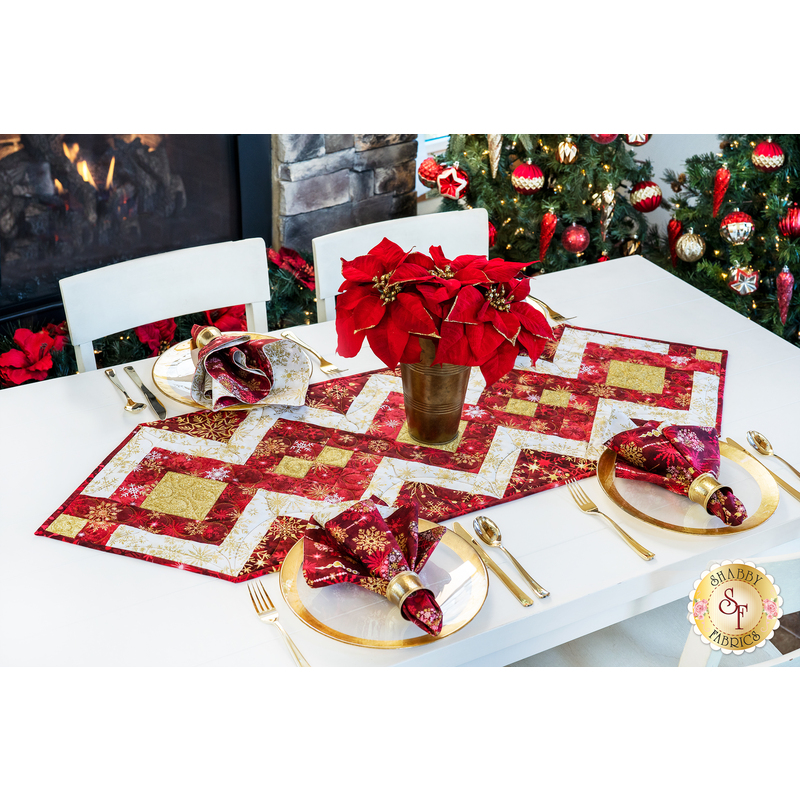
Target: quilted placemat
(228,493)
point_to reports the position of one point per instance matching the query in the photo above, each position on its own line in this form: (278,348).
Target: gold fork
(268,613)
(554,315)
(585,504)
(326,366)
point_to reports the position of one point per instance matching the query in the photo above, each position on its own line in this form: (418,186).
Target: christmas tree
(736,226)
(556,199)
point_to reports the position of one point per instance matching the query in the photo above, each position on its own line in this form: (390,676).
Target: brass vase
(433,396)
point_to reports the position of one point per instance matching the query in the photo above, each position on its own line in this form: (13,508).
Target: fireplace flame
(83,171)
(71,150)
(59,186)
(110,176)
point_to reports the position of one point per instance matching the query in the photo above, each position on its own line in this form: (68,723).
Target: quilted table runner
(228,493)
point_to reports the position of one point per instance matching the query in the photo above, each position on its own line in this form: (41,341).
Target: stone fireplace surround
(324,183)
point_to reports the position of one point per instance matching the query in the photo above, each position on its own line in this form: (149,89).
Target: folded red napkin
(378,547)
(675,456)
(232,368)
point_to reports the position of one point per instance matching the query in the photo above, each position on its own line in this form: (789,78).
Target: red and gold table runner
(229,493)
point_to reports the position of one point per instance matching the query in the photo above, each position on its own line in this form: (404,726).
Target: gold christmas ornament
(631,247)
(690,247)
(567,151)
(495,144)
(609,198)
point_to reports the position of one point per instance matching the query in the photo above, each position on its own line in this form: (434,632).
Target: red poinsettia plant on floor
(474,308)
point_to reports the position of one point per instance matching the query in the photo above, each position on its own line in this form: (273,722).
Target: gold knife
(782,483)
(509,584)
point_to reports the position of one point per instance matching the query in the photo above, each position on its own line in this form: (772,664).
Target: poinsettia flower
(374,305)
(231,318)
(31,362)
(475,308)
(59,333)
(156,334)
(477,269)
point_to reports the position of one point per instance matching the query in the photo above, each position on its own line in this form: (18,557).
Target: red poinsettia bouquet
(473,308)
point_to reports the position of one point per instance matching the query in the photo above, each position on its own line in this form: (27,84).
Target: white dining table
(68,606)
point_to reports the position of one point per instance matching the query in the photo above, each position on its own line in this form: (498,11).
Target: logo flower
(471,307)
(770,608)
(700,608)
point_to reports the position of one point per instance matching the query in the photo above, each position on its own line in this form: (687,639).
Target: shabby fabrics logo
(735,607)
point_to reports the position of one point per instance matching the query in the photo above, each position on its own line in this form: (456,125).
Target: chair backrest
(785,571)
(132,293)
(456,232)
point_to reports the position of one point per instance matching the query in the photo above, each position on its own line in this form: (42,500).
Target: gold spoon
(761,443)
(490,534)
(131,406)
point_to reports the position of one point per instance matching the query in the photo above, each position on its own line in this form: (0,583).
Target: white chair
(115,298)
(664,637)
(456,232)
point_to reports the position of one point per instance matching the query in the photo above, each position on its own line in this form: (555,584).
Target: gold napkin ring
(401,586)
(702,487)
(206,336)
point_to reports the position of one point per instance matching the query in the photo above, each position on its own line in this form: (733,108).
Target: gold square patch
(640,377)
(184,496)
(293,467)
(66,525)
(334,456)
(555,397)
(450,447)
(523,407)
(708,355)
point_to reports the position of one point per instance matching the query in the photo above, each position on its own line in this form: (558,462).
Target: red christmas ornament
(736,227)
(575,238)
(527,178)
(637,139)
(429,170)
(674,230)
(744,280)
(546,231)
(453,182)
(492,234)
(646,196)
(603,257)
(785,284)
(603,138)
(721,181)
(789,226)
(767,156)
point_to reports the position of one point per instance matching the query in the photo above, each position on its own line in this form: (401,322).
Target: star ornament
(452,182)
(744,281)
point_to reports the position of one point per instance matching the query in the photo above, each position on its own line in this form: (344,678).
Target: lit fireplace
(69,203)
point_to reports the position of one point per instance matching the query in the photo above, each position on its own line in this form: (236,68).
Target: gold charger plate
(174,370)
(765,483)
(354,615)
